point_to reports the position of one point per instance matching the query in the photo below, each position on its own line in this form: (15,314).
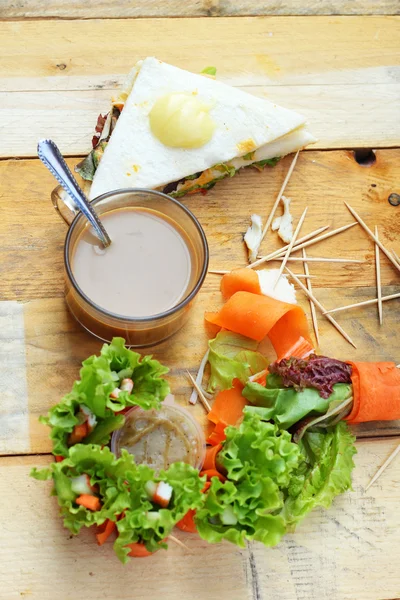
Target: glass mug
(137,331)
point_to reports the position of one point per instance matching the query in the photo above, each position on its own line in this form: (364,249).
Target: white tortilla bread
(291,142)
(134,157)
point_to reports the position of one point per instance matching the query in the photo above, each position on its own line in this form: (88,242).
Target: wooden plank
(332,555)
(76,9)
(337,87)
(285,50)
(327,108)
(32,235)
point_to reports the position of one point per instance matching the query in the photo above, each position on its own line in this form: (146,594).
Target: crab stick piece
(126,385)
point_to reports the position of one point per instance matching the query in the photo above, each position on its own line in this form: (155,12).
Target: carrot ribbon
(376,392)
(240,280)
(228,405)
(256,316)
(218,435)
(105,531)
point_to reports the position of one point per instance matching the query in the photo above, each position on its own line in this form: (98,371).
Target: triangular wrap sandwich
(247,131)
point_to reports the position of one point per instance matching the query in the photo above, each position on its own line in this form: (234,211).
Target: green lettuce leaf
(286,406)
(99,376)
(233,356)
(120,486)
(146,522)
(105,471)
(258,460)
(270,162)
(209,71)
(324,472)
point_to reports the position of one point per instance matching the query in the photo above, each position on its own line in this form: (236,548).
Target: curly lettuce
(99,376)
(324,472)
(287,406)
(233,356)
(104,470)
(273,483)
(120,485)
(146,522)
(258,459)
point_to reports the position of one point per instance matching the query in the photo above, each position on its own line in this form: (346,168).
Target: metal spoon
(52,158)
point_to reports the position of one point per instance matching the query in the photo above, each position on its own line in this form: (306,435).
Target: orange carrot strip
(211,456)
(218,435)
(187,522)
(228,405)
(78,433)
(105,531)
(376,392)
(209,473)
(240,280)
(89,502)
(139,550)
(256,316)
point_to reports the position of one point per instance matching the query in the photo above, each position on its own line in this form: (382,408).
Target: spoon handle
(52,158)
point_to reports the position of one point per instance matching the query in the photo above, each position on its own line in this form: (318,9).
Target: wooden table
(59,63)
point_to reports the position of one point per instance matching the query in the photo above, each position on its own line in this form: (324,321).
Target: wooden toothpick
(321,308)
(376,240)
(290,246)
(179,543)
(397,257)
(364,303)
(378,279)
(384,466)
(279,196)
(202,397)
(312,305)
(319,259)
(298,275)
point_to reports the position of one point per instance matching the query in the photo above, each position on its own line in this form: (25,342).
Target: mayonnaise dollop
(181,120)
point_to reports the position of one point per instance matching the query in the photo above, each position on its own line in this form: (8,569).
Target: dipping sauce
(158,438)
(145,271)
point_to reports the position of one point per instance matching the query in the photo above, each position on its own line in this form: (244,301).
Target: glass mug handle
(64,205)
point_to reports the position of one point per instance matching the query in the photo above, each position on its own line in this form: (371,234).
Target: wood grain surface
(343,73)
(348,88)
(73,9)
(347,552)
(32,237)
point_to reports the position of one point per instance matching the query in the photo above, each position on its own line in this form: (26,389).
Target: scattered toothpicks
(281,251)
(364,303)
(279,196)
(202,397)
(378,278)
(290,246)
(321,308)
(310,242)
(319,259)
(367,229)
(384,466)
(298,275)
(199,379)
(312,305)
